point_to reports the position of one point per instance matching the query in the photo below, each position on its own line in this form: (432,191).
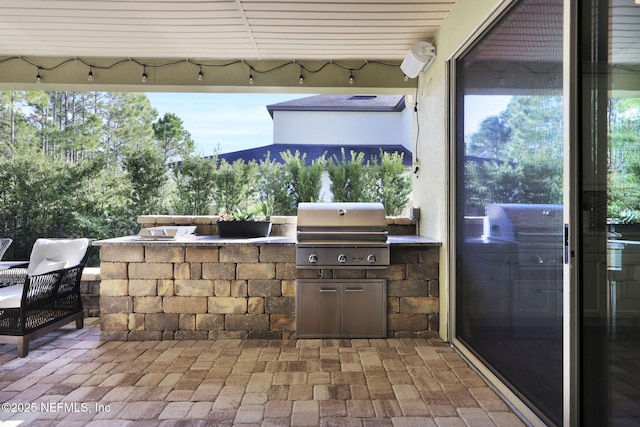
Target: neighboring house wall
(343,127)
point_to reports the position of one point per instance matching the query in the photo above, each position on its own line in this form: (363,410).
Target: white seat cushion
(54,254)
(10,296)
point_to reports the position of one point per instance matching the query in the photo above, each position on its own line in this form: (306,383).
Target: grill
(342,235)
(535,230)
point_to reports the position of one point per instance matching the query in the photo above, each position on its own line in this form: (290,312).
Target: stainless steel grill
(535,230)
(342,235)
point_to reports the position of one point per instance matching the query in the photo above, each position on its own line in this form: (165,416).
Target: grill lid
(341,221)
(523,222)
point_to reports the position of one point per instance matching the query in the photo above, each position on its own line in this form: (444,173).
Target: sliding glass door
(609,214)
(509,203)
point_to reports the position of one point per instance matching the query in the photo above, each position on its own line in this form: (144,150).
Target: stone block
(187,322)
(182,271)
(282,322)
(190,335)
(249,271)
(147,304)
(143,288)
(136,322)
(264,335)
(161,322)
(202,254)
(112,305)
(239,288)
(434,288)
(286,270)
(393,272)
(265,288)
(113,270)
(215,271)
(114,335)
(144,335)
(429,255)
(239,254)
(196,270)
(114,288)
(404,255)
(288,288)
(228,335)
(434,322)
(222,288)
(227,305)
(282,305)
(155,254)
(185,304)
(193,288)
(150,270)
(247,322)
(114,322)
(426,305)
(166,288)
(422,271)
(122,253)
(277,253)
(209,322)
(407,322)
(407,288)
(255,305)
(393,305)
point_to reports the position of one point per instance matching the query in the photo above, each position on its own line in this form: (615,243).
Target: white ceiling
(219,29)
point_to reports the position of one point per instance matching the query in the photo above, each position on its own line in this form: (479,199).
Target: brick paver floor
(72,378)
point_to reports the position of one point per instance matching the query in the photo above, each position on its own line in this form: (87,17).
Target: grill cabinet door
(318,309)
(341,308)
(363,309)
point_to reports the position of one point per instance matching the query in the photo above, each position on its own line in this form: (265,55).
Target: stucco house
(326,124)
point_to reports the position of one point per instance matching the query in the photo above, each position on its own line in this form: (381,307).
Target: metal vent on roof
(361,97)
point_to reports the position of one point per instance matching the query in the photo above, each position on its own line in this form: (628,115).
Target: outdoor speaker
(419,57)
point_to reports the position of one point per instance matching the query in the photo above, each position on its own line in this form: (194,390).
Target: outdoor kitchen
(200,286)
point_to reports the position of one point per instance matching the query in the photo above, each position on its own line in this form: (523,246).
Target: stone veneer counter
(206,287)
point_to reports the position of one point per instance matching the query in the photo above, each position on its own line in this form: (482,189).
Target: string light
(303,70)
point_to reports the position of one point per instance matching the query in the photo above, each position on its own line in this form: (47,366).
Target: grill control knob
(372,259)
(313,258)
(342,258)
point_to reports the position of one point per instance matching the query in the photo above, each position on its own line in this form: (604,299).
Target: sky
(230,121)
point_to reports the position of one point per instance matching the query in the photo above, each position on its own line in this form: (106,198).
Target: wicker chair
(4,245)
(43,295)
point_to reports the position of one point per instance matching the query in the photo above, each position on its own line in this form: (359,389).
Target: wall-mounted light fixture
(419,57)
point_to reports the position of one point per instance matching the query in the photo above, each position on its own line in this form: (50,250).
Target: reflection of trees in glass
(624,160)
(516,157)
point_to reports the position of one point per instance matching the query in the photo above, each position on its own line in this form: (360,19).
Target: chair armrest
(14,275)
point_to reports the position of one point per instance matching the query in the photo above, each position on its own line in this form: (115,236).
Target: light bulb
(250,79)
(200,75)
(38,77)
(350,78)
(90,76)
(144,77)
(301,79)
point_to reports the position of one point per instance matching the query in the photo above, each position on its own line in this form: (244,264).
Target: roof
(314,151)
(384,103)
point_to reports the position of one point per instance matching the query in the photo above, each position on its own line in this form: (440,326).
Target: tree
(349,178)
(491,140)
(147,172)
(303,181)
(389,185)
(194,178)
(174,141)
(234,186)
(274,187)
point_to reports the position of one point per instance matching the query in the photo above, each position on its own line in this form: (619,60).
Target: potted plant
(244,223)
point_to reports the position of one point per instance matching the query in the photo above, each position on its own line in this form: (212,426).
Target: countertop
(194,240)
